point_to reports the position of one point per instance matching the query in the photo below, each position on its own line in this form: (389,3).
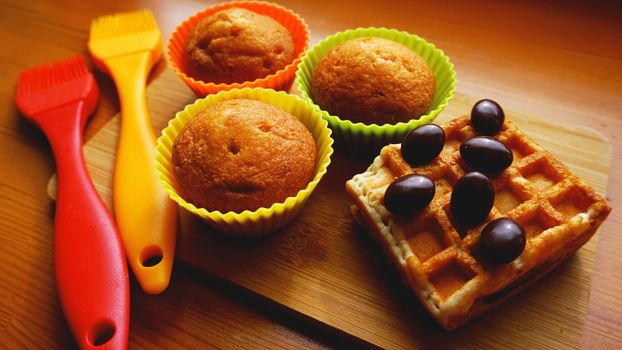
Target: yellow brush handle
(146,217)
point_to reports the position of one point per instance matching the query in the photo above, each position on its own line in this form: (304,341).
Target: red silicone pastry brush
(89,262)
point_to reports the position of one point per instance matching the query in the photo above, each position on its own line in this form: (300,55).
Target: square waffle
(443,267)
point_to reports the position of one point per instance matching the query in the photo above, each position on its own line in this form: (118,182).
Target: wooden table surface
(556,59)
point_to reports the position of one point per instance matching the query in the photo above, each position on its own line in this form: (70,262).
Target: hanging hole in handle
(102,333)
(151,256)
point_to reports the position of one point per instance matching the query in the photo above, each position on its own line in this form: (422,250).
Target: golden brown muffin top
(373,80)
(237,45)
(242,154)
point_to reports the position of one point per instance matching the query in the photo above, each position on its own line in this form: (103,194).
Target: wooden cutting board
(323,266)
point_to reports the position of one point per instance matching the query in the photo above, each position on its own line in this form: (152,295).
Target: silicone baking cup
(281,80)
(262,220)
(369,138)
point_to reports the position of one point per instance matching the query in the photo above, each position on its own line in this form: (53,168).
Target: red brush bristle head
(51,85)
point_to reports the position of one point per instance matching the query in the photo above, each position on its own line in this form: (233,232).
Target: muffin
(373,80)
(241,155)
(237,45)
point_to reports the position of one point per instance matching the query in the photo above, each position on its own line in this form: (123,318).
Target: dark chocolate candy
(409,194)
(486,154)
(502,240)
(471,199)
(423,144)
(487,117)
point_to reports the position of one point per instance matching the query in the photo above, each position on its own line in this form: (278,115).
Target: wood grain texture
(324,266)
(557,59)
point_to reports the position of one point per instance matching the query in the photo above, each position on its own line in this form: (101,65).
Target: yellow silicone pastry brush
(126,46)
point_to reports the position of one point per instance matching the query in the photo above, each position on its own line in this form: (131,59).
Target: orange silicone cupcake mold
(281,80)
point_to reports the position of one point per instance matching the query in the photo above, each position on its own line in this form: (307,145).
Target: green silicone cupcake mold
(369,138)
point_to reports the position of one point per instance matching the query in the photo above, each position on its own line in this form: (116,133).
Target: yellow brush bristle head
(123,34)
(122,24)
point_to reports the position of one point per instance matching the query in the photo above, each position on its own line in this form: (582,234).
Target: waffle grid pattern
(441,262)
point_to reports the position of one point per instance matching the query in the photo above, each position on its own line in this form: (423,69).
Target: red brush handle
(89,261)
